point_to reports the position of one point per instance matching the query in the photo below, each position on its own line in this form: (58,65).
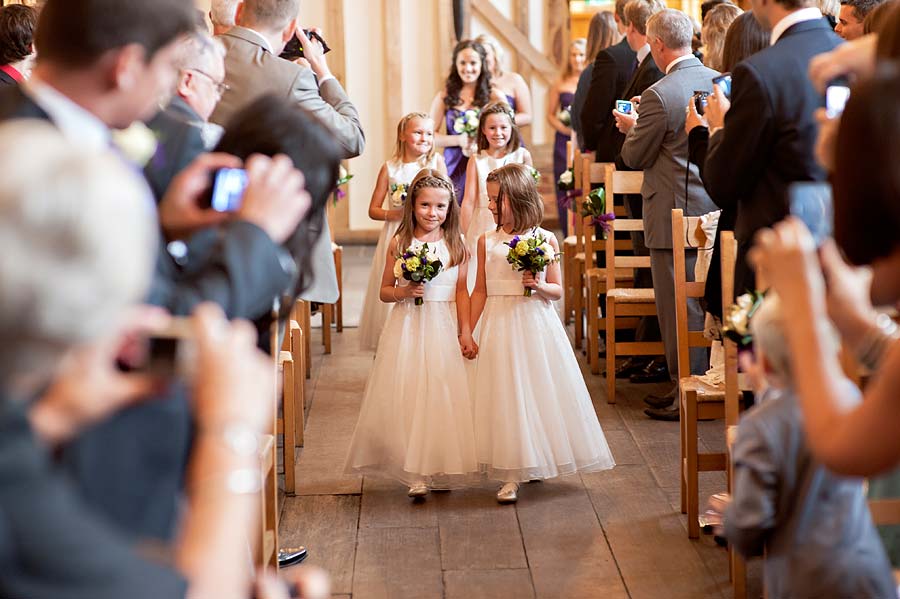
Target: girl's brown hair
(401,130)
(432,179)
(515,140)
(602,33)
(518,188)
(715,28)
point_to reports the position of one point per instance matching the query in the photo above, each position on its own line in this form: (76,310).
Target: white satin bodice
(442,288)
(500,277)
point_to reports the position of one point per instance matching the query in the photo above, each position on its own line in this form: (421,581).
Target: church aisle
(611,534)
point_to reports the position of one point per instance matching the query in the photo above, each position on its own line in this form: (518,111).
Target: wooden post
(393,78)
(523,23)
(338,216)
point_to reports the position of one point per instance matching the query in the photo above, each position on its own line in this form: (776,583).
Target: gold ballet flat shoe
(418,490)
(508,493)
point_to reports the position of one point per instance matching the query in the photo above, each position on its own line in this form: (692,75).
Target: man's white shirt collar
(676,61)
(75,123)
(261,39)
(798,16)
(642,53)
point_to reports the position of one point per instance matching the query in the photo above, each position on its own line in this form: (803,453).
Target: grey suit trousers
(662,267)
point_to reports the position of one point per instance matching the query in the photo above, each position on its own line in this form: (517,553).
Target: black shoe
(291,556)
(659,401)
(666,414)
(655,372)
(631,366)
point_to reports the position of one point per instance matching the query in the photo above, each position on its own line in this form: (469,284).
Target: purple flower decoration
(603,221)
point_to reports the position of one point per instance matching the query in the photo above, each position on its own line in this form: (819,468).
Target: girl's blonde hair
(433,179)
(401,145)
(518,188)
(602,33)
(580,43)
(715,27)
(489,41)
(515,140)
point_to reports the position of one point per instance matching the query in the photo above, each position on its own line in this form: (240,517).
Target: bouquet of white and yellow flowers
(467,122)
(398,194)
(565,116)
(536,175)
(533,254)
(736,322)
(417,265)
(594,207)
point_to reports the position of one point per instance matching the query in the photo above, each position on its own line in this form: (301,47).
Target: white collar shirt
(642,53)
(676,61)
(75,123)
(798,16)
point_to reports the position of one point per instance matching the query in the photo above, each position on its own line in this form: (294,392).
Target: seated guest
(253,67)
(813,525)
(657,144)
(182,128)
(78,253)
(851,20)
(17,23)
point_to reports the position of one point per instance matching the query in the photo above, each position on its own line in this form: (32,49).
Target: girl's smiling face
(468,65)
(432,205)
(497,128)
(419,136)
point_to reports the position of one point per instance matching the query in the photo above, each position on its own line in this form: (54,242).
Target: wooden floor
(612,534)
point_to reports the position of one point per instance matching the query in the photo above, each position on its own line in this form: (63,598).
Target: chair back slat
(590,176)
(614,260)
(728,259)
(686,232)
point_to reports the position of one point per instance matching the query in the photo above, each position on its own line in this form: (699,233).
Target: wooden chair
(697,400)
(302,316)
(736,565)
(266,544)
(295,344)
(623,304)
(569,252)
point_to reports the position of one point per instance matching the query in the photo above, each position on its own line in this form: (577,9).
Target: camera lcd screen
(624,106)
(724,81)
(836,97)
(228,189)
(811,202)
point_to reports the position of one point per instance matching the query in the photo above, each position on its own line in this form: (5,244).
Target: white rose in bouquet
(547,249)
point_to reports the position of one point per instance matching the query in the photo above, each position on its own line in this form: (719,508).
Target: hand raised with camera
(234,381)
(314,54)
(693,119)
(717,106)
(180,211)
(275,199)
(624,122)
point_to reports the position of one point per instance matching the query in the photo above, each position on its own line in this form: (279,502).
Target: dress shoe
(419,489)
(631,366)
(290,556)
(508,493)
(659,401)
(655,372)
(670,414)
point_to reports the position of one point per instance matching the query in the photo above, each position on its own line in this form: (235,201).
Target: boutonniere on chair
(736,322)
(343,178)
(138,143)
(594,207)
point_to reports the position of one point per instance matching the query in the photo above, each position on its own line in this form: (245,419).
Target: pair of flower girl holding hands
(519,411)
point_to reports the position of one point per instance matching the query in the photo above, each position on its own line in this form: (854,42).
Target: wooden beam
(446,42)
(515,38)
(338,216)
(393,78)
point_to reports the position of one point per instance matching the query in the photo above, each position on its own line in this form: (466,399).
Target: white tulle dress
(415,422)
(375,312)
(533,413)
(482,219)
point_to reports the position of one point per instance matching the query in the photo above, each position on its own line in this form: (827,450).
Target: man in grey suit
(656,143)
(253,68)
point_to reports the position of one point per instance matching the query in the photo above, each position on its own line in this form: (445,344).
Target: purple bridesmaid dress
(559,163)
(453,156)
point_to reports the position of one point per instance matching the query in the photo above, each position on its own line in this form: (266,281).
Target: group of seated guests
(114,481)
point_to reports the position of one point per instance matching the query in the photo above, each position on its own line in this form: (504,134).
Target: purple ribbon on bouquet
(569,198)
(603,221)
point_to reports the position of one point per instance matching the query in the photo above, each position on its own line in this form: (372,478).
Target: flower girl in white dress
(415,423)
(533,414)
(414,152)
(499,144)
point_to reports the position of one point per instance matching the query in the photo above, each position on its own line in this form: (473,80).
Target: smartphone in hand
(228,189)
(812,203)
(724,81)
(625,106)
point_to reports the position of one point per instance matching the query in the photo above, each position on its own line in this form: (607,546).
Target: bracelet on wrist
(880,336)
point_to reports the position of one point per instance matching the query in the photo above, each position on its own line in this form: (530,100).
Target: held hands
(716,108)
(693,119)
(275,200)
(468,346)
(624,122)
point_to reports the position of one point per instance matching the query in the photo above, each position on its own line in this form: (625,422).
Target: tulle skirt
(416,420)
(482,222)
(375,311)
(533,413)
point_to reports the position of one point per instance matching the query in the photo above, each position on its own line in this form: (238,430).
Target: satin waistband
(440,293)
(505,288)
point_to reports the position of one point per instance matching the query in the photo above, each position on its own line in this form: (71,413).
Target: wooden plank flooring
(611,534)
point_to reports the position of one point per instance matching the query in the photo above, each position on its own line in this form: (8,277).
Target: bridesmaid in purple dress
(468,87)
(559,116)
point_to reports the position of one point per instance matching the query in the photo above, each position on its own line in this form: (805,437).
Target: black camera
(699,99)
(294,49)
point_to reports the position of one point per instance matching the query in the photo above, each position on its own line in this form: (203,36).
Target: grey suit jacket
(251,71)
(658,145)
(814,525)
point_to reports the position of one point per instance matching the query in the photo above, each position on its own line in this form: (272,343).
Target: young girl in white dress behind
(415,423)
(414,152)
(533,414)
(499,144)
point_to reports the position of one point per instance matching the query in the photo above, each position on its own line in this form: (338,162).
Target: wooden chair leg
(305,325)
(593,332)
(299,385)
(682,462)
(610,350)
(692,464)
(568,285)
(327,317)
(339,305)
(578,286)
(738,574)
(288,406)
